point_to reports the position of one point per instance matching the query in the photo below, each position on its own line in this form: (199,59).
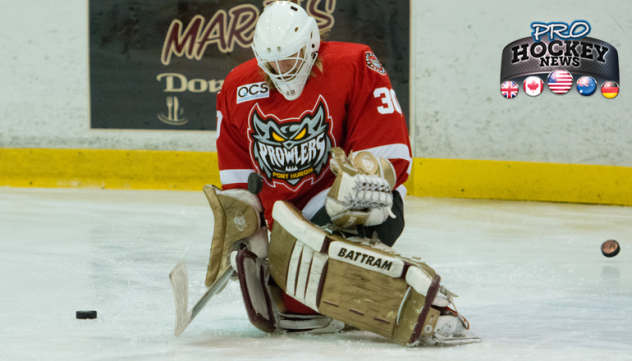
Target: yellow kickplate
(527,181)
(108,169)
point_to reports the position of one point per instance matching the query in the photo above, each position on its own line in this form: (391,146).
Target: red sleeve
(375,121)
(232,147)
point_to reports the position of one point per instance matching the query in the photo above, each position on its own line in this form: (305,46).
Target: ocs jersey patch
(252,91)
(373,63)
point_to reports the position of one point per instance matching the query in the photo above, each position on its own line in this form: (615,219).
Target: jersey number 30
(389,99)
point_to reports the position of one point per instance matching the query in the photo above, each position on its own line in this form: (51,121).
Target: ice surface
(531,277)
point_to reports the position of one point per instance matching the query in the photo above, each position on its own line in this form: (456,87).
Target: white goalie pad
(290,219)
(305,275)
(367,259)
(363,284)
(265,307)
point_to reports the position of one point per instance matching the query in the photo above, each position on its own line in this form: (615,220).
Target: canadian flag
(533,86)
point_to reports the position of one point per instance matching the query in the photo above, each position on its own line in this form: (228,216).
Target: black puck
(610,248)
(255,183)
(86,315)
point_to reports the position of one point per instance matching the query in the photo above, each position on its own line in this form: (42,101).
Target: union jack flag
(509,89)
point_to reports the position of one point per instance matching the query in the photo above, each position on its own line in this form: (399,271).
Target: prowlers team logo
(287,151)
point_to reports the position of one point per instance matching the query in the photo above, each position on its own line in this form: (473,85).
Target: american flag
(509,89)
(560,81)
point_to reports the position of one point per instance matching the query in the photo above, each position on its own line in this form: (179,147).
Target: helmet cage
(286,33)
(291,82)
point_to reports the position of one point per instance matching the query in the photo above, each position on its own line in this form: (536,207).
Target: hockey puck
(86,315)
(255,183)
(610,248)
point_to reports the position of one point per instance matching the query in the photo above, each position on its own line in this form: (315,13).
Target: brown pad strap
(252,281)
(421,320)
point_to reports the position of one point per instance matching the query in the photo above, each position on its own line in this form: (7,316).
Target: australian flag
(586,85)
(509,89)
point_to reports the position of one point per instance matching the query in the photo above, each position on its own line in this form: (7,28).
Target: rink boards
(185,170)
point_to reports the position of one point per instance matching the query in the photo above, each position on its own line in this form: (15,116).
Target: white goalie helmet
(286,38)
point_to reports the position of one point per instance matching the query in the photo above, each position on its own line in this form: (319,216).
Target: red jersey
(350,104)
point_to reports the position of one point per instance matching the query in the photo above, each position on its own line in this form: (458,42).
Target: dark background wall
(132,60)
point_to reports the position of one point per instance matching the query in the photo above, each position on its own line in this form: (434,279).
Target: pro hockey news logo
(291,151)
(557,52)
(564,46)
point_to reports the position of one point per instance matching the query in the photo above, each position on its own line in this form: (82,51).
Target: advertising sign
(158,64)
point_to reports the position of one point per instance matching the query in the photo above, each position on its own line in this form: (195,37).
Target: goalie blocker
(238,224)
(365,285)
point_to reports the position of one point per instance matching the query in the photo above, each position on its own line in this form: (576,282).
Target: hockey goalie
(316,128)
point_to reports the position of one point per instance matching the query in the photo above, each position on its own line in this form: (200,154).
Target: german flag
(610,89)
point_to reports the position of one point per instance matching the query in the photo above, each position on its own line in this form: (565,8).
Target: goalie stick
(180,284)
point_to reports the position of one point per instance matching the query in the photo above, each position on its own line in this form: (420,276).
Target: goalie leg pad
(264,300)
(237,225)
(253,279)
(367,286)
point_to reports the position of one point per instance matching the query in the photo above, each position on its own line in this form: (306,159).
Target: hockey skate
(451,329)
